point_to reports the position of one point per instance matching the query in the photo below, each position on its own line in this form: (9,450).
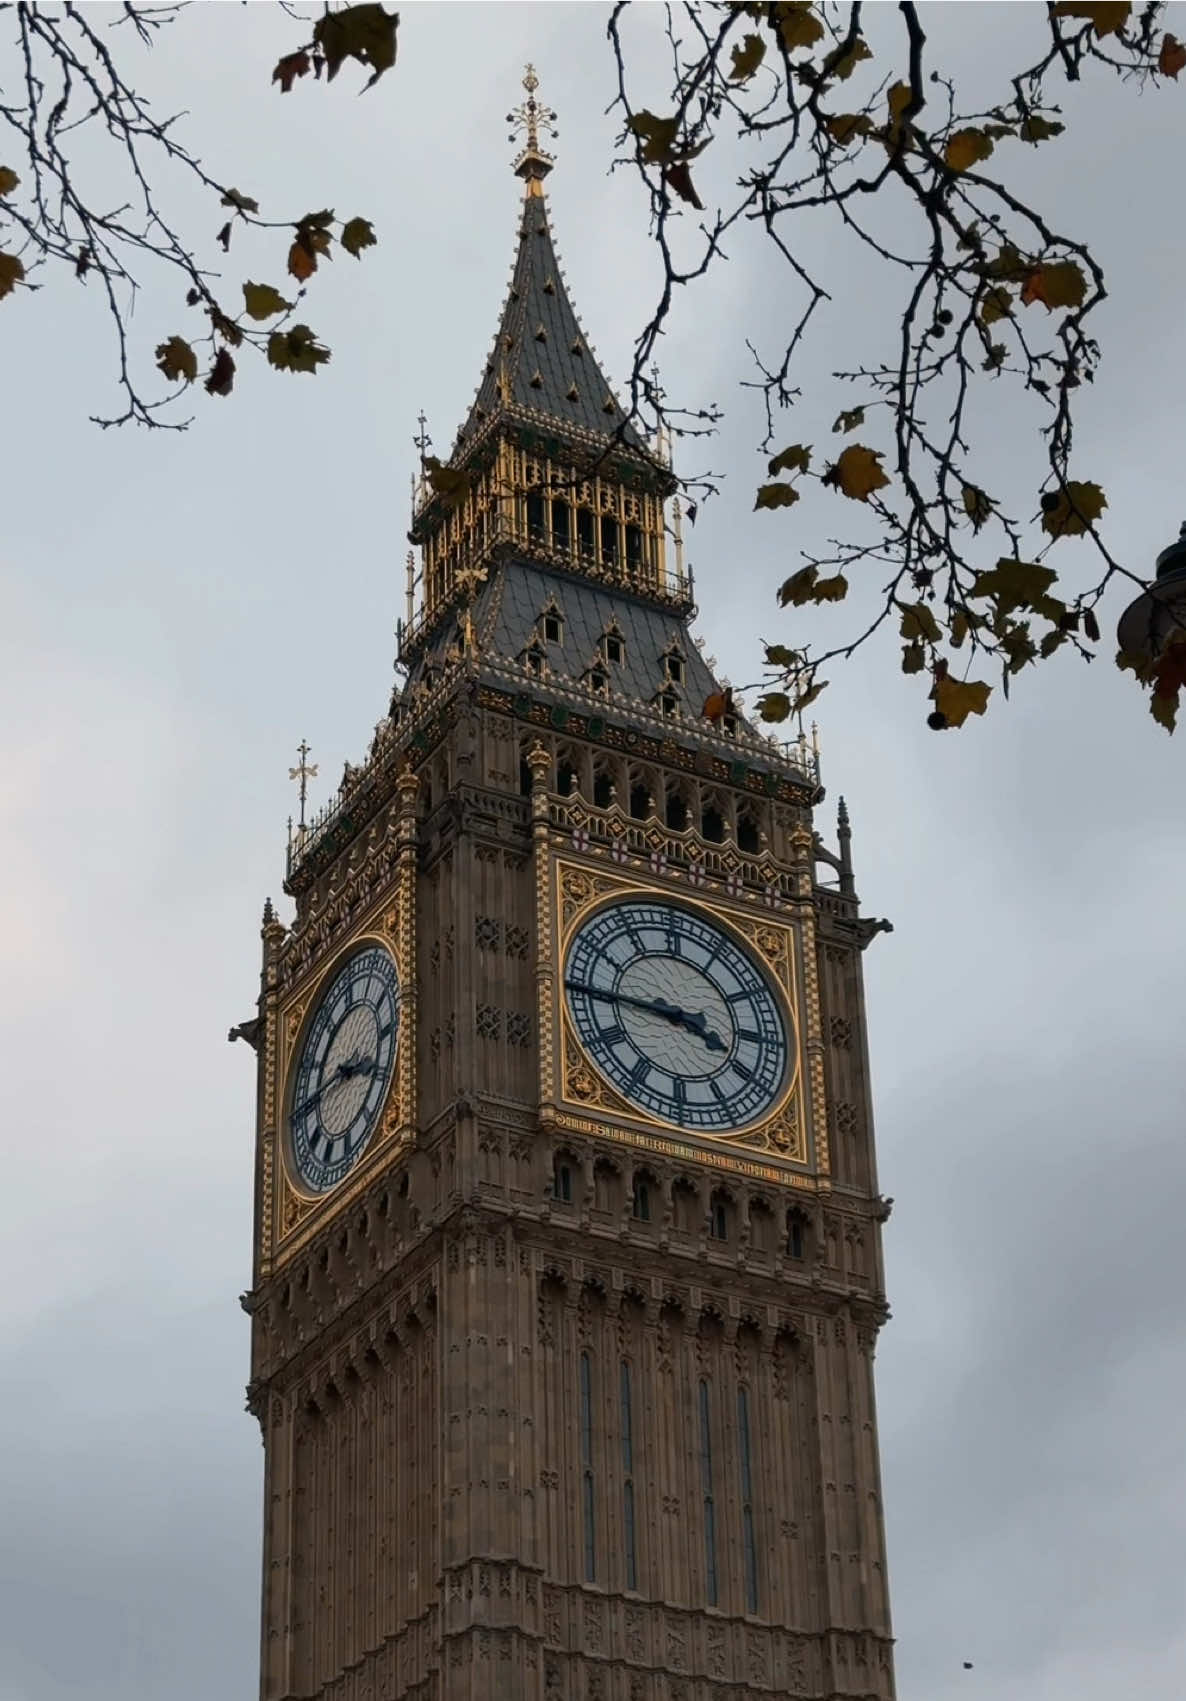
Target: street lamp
(1159,614)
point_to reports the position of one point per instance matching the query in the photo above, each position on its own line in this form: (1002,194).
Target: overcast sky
(178,611)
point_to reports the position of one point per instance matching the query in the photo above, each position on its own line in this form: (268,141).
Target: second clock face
(676,1015)
(344,1068)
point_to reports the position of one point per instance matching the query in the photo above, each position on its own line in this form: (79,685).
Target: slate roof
(541,350)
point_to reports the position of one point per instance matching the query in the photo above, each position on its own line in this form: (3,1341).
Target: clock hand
(696,1024)
(343,1072)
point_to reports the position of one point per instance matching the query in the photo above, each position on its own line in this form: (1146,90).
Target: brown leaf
(967,148)
(302,260)
(8,180)
(774,706)
(796,24)
(747,56)
(919,624)
(797,456)
(1034,128)
(775,496)
(358,234)
(997,304)
(226,328)
(845,125)
(849,419)
(798,588)
(12,272)
(843,61)
(221,378)
(1107,17)
(82,263)
(241,203)
(914,658)
(224,236)
(1060,284)
(717,705)
(657,136)
(808,696)
(977,506)
(834,589)
(679,176)
(956,699)
(176,359)
(366,33)
(292,65)
(857,472)
(264,302)
(447,481)
(1172,57)
(1069,512)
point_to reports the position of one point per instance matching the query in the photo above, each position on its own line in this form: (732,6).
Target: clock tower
(567,1266)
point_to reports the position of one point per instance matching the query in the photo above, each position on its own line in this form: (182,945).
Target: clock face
(344,1069)
(676,1015)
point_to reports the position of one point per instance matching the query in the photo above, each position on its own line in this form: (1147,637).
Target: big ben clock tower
(567,1268)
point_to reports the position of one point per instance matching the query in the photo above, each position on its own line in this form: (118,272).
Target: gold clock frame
(573,1090)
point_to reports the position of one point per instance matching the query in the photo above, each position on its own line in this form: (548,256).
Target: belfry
(567,1264)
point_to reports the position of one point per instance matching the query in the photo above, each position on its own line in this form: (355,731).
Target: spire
(533,164)
(541,368)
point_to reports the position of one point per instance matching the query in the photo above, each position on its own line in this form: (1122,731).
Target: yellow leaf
(1014,584)
(176,359)
(1056,285)
(845,125)
(1069,512)
(914,658)
(919,624)
(365,33)
(796,24)
(774,706)
(898,100)
(447,481)
(1038,129)
(849,419)
(997,304)
(808,696)
(657,136)
(1107,17)
(956,699)
(12,272)
(960,626)
(747,56)
(1170,60)
(797,456)
(358,234)
(296,350)
(857,472)
(776,496)
(8,180)
(977,505)
(798,588)
(834,589)
(843,61)
(967,148)
(263,302)
(241,203)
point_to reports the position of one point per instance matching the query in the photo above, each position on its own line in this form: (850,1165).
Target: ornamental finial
(530,117)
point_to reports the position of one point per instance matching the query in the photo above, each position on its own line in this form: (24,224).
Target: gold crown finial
(530,117)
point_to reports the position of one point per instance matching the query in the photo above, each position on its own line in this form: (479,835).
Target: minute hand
(694,1023)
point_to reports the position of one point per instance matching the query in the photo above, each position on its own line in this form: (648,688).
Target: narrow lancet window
(628,1534)
(749,1547)
(587,1487)
(710,1516)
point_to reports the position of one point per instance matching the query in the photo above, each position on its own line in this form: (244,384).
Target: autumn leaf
(845,125)
(1014,584)
(797,456)
(747,56)
(914,658)
(1035,129)
(843,61)
(849,419)
(997,304)
(967,148)
(1164,709)
(798,588)
(264,302)
(717,705)
(1170,60)
(296,350)
(679,176)
(366,33)
(808,696)
(312,239)
(241,203)
(834,589)
(1107,17)
(657,136)
(1055,285)
(176,359)
(12,272)
(221,378)
(224,236)
(8,180)
(446,482)
(857,473)
(358,234)
(778,655)
(1069,512)
(292,65)
(226,328)
(919,624)
(957,699)
(775,496)
(898,99)
(796,24)
(977,505)
(774,706)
